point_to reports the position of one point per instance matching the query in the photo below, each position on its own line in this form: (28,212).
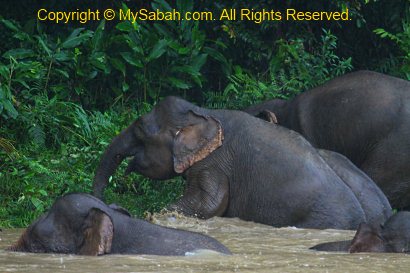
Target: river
(255,248)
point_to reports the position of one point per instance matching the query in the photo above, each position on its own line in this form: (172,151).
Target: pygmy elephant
(362,115)
(392,236)
(82,224)
(234,167)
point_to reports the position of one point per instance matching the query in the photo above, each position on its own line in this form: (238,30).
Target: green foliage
(242,90)
(402,40)
(163,57)
(293,69)
(33,180)
(48,66)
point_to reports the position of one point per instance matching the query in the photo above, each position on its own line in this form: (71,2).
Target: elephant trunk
(121,147)
(107,167)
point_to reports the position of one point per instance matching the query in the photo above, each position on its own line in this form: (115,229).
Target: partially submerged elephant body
(392,236)
(235,168)
(362,115)
(82,224)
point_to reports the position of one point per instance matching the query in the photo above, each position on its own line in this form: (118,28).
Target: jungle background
(67,89)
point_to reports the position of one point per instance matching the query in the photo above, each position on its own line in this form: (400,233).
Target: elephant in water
(392,236)
(363,115)
(235,168)
(82,224)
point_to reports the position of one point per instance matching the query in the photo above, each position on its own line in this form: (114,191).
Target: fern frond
(37,135)
(8,147)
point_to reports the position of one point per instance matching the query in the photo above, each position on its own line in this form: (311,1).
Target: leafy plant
(293,69)
(402,39)
(165,57)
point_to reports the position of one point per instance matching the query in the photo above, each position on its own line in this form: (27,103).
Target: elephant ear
(367,239)
(268,116)
(196,141)
(98,232)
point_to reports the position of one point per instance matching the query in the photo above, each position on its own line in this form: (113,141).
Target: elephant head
(392,236)
(80,223)
(367,239)
(163,143)
(69,228)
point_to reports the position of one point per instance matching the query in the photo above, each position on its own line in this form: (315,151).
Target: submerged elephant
(82,224)
(362,115)
(392,236)
(234,168)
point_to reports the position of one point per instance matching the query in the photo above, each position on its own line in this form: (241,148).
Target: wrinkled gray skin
(234,167)
(363,115)
(82,224)
(393,236)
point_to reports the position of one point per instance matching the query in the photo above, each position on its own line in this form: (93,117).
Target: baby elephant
(82,224)
(393,236)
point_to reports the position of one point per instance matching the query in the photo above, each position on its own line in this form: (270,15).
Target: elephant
(234,168)
(80,223)
(363,115)
(392,236)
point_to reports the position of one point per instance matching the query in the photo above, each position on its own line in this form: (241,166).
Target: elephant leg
(377,209)
(206,195)
(388,166)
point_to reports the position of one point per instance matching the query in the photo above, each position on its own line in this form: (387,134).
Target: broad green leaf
(125,26)
(43,192)
(216,55)
(4,71)
(178,83)
(186,69)
(23,83)
(8,106)
(158,50)
(22,36)
(63,56)
(184,50)
(37,203)
(118,64)
(129,58)
(175,45)
(19,53)
(63,72)
(77,39)
(199,61)
(75,33)
(10,25)
(43,45)
(191,71)
(98,35)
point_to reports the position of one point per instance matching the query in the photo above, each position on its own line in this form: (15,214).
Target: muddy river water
(255,247)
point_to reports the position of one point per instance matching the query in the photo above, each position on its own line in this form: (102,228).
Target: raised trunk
(120,147)
(107,167)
